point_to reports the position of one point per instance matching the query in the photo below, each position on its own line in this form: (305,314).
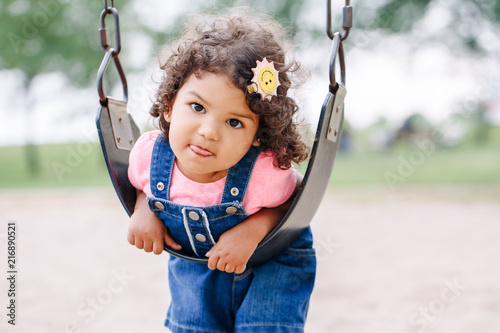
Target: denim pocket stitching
(301,252)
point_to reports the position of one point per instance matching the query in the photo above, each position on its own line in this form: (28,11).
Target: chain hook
(110,53)
(104,32)
(337,49)
(346,19)
(100,77)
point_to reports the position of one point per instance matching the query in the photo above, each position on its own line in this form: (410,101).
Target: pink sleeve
(140,161)
(269,186)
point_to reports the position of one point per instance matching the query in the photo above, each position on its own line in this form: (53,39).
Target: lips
(201,151)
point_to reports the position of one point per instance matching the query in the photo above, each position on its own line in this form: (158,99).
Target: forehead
(216,89)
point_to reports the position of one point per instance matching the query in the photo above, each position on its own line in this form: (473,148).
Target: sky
(387,76)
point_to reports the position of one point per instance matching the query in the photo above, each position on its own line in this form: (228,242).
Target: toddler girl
(217,178)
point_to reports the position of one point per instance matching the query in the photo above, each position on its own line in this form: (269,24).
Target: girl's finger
(131,239)
(148,246)
(158,247)
(230,268)
(170,242)
(240,269)
(221,265)
(212,263)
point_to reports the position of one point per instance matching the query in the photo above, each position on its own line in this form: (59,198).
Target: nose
(209,130)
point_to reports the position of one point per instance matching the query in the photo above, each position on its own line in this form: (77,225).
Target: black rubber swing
(118,133)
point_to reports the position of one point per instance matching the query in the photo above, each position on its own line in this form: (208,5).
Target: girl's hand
(231,253)
(235,247)
(146,230)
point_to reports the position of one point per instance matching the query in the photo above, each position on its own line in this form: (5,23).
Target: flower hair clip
(265,79)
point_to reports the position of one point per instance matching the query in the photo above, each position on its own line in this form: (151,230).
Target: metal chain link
(337,38)
(346,19)
(110,53)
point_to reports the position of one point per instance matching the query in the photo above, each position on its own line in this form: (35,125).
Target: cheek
(241,145)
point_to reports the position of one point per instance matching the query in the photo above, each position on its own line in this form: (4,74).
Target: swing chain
(110,53)
(337,51)
(104,32)
(346,19)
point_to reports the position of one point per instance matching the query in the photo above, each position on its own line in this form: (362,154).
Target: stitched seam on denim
(264,324)
(221,217)
(249,176)
(154,157)
(250,171)
(162,211)
(233,309)
(156,160)
(207,227)
(300,250)
(191,328)
(188,231)
(243,275)
(300,255)
(153,198)
(170,173)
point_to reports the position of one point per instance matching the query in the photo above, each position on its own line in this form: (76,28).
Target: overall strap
(162,165)
(238,176)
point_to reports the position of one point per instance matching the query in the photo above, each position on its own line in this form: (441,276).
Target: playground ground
(415,259)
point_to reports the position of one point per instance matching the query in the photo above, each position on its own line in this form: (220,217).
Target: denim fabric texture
(273,297)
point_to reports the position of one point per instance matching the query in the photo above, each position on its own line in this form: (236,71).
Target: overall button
(200,237)
(235,191)
(231,210)
(160,186)
(159,205)
(194,216)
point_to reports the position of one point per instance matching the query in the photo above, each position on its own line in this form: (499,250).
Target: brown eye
(234,123)
(198,108)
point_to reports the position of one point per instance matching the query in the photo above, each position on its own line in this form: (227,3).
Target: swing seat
(118,132)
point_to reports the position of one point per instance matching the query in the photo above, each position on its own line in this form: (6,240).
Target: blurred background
(419,71)
(421,134)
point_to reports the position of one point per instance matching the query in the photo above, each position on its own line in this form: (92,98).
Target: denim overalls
(272,297)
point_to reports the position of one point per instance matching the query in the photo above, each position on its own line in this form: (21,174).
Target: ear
(167,114)
(256,142)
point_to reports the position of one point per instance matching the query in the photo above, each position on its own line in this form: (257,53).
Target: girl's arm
(146,230)
(235,247)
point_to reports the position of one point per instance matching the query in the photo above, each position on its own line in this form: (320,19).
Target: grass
(59,165)
(464,165)
(82,165)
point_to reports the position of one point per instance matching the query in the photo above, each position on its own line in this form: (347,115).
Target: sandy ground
(421,259)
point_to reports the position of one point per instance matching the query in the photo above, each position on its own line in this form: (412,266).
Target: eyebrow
(205,102)
(240,115)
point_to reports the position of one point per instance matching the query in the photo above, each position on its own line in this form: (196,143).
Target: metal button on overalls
(159,205)
(197,229)
(194,216)
(231,210)
(200,238)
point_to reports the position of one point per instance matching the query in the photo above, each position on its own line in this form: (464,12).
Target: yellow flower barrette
(265,79)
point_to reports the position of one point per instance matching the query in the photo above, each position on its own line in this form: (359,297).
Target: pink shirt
(268,187)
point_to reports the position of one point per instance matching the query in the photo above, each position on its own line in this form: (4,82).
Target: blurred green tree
(465,25)
(48,36)
(61,36)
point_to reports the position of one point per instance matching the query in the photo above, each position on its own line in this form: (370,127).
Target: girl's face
(211,127)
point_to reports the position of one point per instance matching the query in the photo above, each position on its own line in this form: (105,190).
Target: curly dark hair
(232,45)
